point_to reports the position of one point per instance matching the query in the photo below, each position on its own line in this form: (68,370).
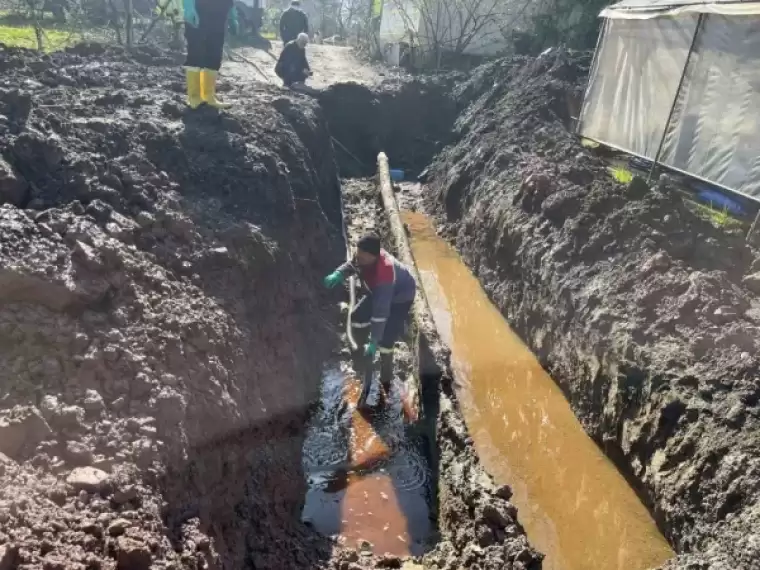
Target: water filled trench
(576,507)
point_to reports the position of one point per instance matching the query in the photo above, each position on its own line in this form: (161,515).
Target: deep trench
(411,126)
(250,480)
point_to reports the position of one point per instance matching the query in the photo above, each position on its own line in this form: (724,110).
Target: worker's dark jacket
(292,65)
(292,23)
(223,6)
(389,281)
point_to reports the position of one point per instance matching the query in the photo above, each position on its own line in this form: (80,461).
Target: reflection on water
(574,504)
(367,479)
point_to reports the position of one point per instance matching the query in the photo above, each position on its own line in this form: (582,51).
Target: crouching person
(380,317)
(292,66)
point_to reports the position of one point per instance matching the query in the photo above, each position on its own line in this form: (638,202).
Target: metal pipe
(700,20)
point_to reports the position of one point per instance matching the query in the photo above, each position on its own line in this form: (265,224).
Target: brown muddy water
(574,504)
(367,479)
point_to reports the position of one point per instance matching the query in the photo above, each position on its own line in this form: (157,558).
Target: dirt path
(330,64)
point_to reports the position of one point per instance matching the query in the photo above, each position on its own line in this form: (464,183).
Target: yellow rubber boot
(208,89)
(194,98)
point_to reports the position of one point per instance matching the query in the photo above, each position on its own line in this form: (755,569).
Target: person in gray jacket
(380,317)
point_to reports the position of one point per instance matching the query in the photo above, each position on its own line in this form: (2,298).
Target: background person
(293,22)
(292,66)
(205,25)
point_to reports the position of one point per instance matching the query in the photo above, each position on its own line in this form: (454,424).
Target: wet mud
(158,325)
(164,325)
(645,313)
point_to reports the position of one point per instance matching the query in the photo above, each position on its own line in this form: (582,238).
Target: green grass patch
(621,175)
(588,143)
(25,37)
(720,218)
(271,36)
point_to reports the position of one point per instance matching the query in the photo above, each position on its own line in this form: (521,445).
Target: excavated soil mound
(646,314)
(408,118)
(158,315)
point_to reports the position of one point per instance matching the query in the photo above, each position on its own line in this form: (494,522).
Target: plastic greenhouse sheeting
(714,132)
(643,9)
(634,82)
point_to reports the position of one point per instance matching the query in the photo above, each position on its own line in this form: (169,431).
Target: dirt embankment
(408,118)
(160,331)
(646,314)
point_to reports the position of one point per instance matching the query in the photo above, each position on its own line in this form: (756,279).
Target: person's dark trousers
(205,43)
(294,76)
(361,324)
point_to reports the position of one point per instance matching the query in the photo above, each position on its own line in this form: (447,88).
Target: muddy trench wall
(407,118)
(645,313)
(159,316)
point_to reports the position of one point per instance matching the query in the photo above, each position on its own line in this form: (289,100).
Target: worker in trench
(380,317)
(293,67)
(206,22)
(293,22)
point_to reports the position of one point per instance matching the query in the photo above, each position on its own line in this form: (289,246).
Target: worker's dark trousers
(361,325)
(206,42)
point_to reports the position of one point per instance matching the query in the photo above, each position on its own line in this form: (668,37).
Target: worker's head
(367,250)
(302,39)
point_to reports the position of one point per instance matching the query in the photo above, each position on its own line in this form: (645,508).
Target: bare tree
(343,17)
(36,14)
(351,16)
(129,27)
(439,26)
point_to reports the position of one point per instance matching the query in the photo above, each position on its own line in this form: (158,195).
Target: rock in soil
(646,313)
(132,555)
(87,479)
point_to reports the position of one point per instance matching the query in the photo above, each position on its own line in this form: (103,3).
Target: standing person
(380,317)
(293,22)
(292,66)
(205,24)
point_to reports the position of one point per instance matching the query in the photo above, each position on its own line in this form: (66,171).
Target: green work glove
(233,22)
(191,14)
(370,349)
(333,280)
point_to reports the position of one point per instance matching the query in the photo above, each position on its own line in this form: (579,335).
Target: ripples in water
(365,473)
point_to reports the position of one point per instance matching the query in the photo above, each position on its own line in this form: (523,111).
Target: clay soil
(160,321)
(643,311)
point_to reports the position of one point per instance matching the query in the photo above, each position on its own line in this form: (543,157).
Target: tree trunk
(129,23)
